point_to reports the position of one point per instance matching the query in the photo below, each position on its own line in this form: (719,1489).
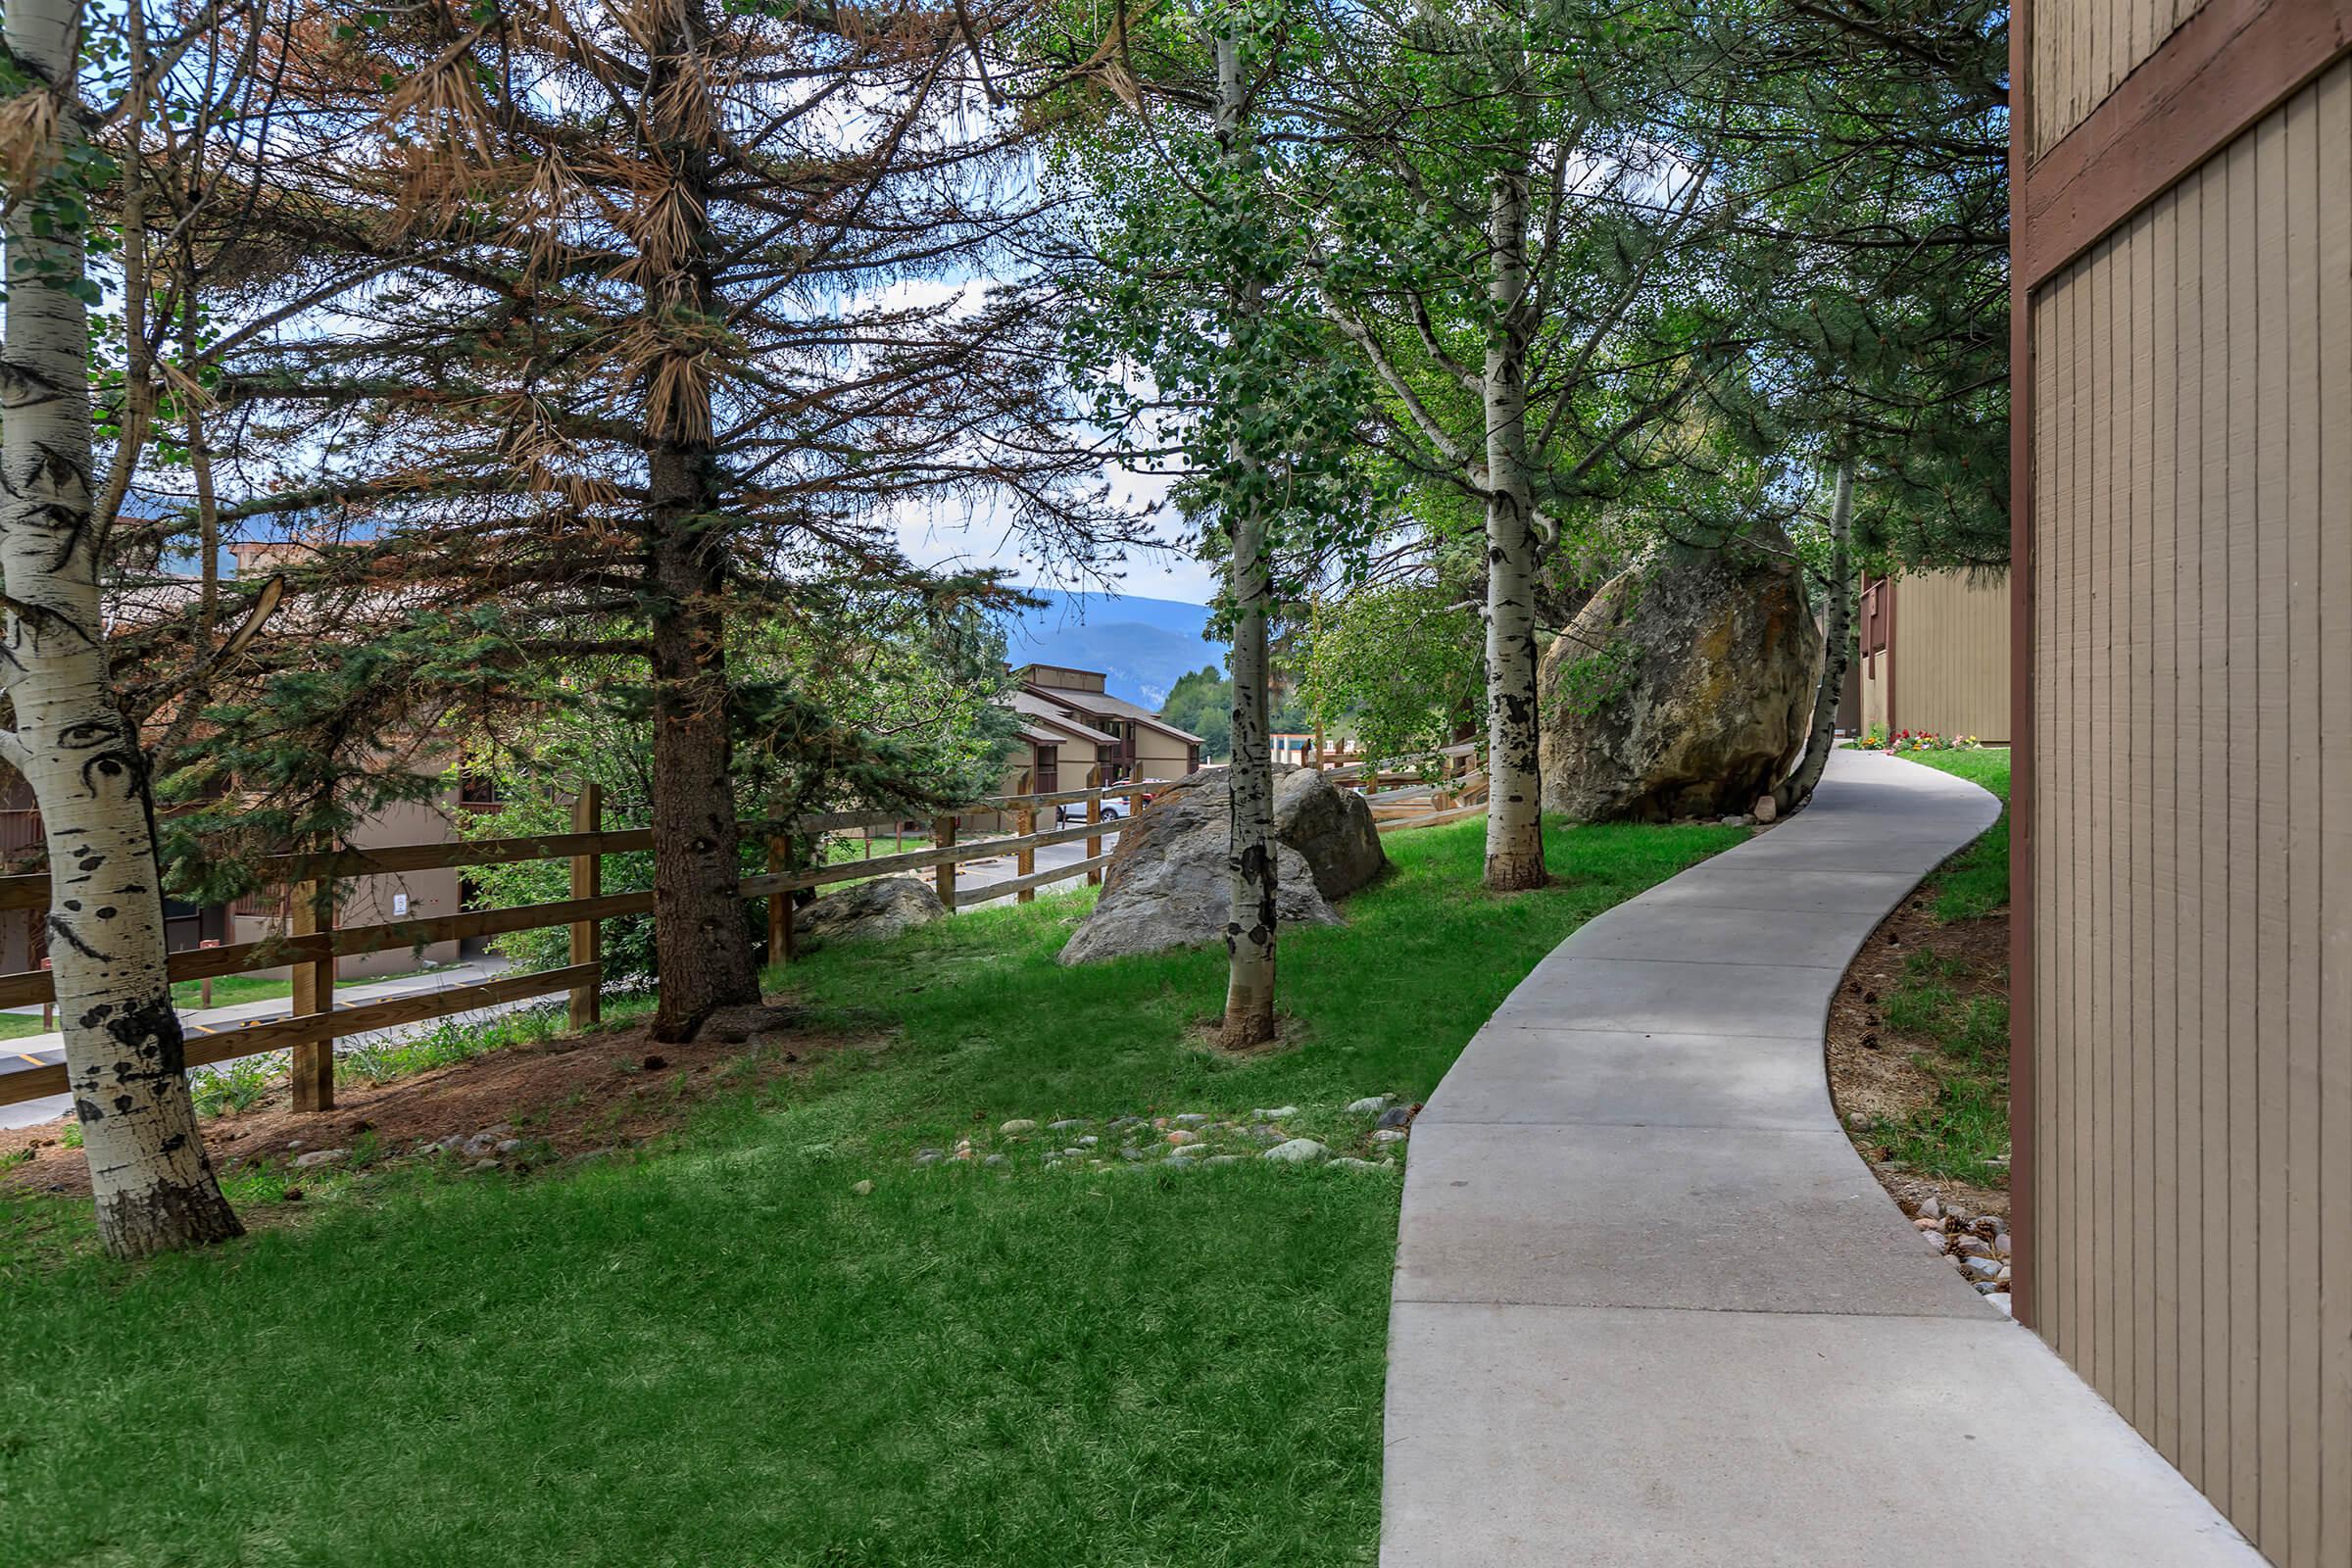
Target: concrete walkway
(1649,1306)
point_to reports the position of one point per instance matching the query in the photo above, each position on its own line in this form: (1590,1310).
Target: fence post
(204,987)
(1025,824)
(587,882)
(779,903)
(49,1006)
(313,913)
(1093,814)
(942,835)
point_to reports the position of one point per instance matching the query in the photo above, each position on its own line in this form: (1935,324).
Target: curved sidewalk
(1650,1307)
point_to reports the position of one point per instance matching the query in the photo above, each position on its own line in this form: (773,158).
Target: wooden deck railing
(315,941)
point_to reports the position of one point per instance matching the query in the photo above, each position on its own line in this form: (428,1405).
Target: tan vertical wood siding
(1951,654)
(2192,943)
(2083,49)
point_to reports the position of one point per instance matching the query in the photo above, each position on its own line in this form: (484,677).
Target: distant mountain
(1141,645)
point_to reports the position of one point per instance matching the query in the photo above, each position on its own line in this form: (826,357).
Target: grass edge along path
(1965,1037)
(722,1352)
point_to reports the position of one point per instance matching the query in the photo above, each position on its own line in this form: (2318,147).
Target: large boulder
(883,908)
(1165,886)
(1681,690)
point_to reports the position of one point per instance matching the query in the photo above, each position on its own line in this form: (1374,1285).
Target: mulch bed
(609,1088)
(1871,1066)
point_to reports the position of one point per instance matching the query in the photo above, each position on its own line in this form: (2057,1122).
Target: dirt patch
(610,1088)
(1873,1070)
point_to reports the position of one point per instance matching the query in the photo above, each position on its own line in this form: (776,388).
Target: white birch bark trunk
(1797,788)
(1250,864)
(124,1051)
(1514,806)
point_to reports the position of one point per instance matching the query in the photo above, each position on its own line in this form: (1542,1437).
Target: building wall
(1949,656)
(371,899)
(1160,757)
(2189,880)
(2083,49)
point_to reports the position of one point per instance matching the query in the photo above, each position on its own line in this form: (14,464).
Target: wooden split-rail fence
(314,942)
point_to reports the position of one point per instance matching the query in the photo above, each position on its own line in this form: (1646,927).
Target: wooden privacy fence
(313,940)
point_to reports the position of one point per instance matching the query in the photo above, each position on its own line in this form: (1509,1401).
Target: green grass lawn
(718,1352)
(1942,1005)
(16,1026)
(235,990)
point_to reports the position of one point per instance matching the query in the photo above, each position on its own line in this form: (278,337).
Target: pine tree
(661,343)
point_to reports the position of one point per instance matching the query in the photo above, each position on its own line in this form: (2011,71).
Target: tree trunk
(124,1054)
(701,943)
(1514,807)
(701,947)
(1251,867)
(1797,788)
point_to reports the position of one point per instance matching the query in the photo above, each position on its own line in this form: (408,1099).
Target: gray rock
(1390,1135)
(1166,883)
(1276,1115)
(1192,1118)
(1064,1125)
(1223,1159)
(484,1164)
(883,908)
(1089,1140)
(862,1189)
(929,1157)
(1681,689)
(1019,1124)
(1370,1105)
(1767,808)
(1297,1151)
(2000,1244)
(1130,1152)
(1396,1116)
(1932,1208)
(1984,1269)
(997,1160)
(508,1146)
(478,1145)
(320,1157)
(1350,1162)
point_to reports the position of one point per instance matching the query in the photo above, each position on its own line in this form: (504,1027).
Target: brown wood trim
(2021,1083)
(2220,71)
(1887,630)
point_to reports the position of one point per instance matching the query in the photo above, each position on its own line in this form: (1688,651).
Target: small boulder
(1767,810)
(1297,1151)
(868,911)
(1167,884)
(320,1157)
(862,1189)
(1370,1105)
(1019,1124)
